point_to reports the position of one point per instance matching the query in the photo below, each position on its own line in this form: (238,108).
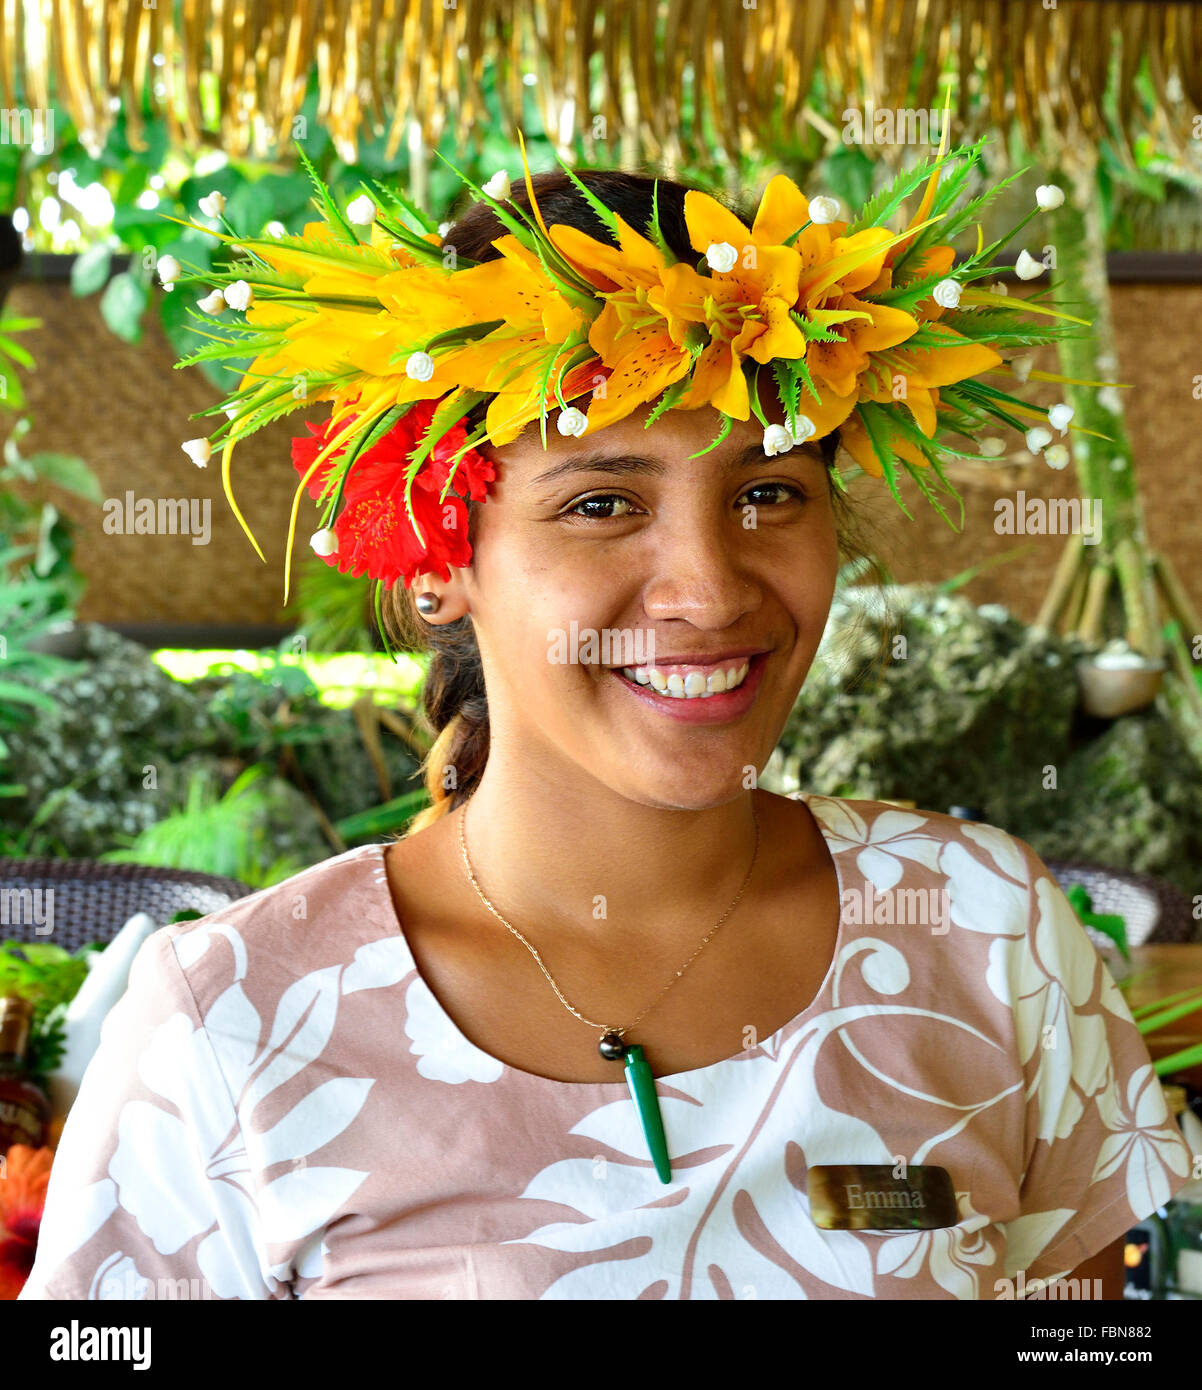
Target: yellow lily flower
(855,439)
(927,368)
(640,337)
(840,364)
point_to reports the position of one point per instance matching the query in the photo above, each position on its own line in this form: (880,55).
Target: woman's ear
(437,601)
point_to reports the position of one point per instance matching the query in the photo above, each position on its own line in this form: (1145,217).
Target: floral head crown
(855,327)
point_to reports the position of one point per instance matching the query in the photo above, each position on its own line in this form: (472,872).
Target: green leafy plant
(24,616)
(388,818)
(260,730)
(26,519)
(215,834)
(49,977)
(331,609)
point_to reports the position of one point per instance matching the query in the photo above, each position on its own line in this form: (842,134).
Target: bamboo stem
(1090,626)
(1176,599)
(1186,711)
(1143,635)
(1066,572)
(1071,615)
(1184,667)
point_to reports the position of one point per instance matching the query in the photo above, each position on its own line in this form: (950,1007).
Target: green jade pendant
(643,1093)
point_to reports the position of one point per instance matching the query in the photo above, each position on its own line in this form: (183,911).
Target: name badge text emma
(868,1197)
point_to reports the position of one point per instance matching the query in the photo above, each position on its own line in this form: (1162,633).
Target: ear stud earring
(428,603)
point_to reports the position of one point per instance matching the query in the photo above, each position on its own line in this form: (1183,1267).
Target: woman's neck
(599,866)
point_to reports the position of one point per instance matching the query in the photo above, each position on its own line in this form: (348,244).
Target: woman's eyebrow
(620,463)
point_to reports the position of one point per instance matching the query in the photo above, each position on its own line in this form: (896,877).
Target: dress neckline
(614,1088)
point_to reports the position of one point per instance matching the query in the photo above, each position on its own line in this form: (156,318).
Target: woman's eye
(599,506)
(772,488)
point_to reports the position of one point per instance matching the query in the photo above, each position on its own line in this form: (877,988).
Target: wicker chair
(93,901)
(1155,911)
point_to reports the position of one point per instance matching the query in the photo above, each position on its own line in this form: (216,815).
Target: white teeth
(693,686)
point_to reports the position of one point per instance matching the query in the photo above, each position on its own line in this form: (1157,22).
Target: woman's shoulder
(988,877)
(862,821)
(320,927)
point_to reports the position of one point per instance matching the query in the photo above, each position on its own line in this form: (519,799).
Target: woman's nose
(698,571)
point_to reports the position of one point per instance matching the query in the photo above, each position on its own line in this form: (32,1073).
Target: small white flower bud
(992,447)
(1027,267)
(324,542)
(1022,367)
(498,186)
(1055,456)
(572,421)
(721,255)
(169,269)
(1060,415)
(200,451)
(947,294)
(1049,196)
(824,209)
(777,440)
(213,204)
(239,295)
(362,212)
(419,366)
(1037,438)
(444,228)
(805,428)
(212,303)
(276,228)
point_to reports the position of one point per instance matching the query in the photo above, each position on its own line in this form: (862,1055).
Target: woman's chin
(677,793)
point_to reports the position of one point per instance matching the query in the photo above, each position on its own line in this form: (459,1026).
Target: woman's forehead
(674,434)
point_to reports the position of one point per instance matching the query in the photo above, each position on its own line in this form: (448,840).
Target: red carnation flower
(375,533)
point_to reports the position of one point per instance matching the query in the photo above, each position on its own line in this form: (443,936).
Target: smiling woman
(870,1053)
(456,700)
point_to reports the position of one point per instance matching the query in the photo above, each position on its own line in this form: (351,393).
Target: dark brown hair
(454,696)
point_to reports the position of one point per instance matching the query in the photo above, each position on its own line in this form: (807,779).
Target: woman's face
(720,564)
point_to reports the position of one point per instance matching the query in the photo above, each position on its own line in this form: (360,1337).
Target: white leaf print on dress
(1006,852)
(377,965)
(879,851)
(220,1201)
(950,1252)
(749,1189)
(981,900)
(444,1053)
(314,1121)
(1028,1235)
(1074,1054)
(304,1200)
(758,1190)
(1150,1154)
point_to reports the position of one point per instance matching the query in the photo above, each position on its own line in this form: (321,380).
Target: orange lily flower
(637,335)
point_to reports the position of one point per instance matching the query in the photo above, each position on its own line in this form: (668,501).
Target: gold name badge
(867,1197)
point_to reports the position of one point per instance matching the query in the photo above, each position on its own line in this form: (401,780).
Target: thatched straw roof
(669,78)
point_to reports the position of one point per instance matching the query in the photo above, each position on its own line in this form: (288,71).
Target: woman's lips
(718,708)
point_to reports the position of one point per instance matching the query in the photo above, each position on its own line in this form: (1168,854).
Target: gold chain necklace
(611,1045)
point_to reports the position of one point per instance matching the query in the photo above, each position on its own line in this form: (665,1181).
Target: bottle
(24,1107)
